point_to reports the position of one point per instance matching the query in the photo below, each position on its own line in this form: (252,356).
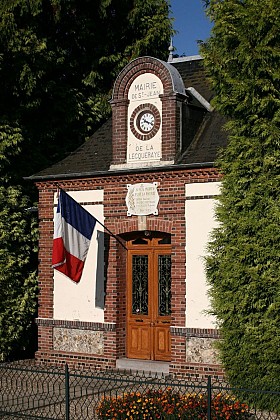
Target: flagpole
(108,230)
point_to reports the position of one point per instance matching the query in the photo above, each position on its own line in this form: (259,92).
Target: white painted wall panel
(83,301)
(202,189)
(200,220)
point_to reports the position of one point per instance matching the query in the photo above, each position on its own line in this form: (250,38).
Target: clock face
(145,121)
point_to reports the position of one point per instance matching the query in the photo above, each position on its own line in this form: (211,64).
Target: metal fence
(30,392)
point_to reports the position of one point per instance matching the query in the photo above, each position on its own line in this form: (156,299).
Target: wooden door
(149,299)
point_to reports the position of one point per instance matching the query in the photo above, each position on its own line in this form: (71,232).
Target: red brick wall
(119,103)
(45,309)
(171,219)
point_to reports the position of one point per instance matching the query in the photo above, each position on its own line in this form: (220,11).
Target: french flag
(73,229)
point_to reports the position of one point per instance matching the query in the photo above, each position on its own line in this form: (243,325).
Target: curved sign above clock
(144,120)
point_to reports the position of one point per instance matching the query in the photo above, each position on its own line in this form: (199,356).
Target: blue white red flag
(73,229)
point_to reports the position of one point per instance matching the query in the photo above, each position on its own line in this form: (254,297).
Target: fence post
(67,399)
(209,397)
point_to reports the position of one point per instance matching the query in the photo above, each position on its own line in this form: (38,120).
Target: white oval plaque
(142,199)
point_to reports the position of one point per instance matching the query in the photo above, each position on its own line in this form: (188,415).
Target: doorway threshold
(139,365)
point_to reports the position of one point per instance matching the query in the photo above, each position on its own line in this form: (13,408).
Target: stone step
(143,365)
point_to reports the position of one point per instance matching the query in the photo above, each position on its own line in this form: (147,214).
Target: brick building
(147,175)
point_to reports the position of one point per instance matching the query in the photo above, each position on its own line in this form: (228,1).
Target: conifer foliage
(58,63)
(242,57)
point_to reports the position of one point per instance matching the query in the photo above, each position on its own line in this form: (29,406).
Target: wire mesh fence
(32,392)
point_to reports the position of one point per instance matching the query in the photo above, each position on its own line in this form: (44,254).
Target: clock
(145,121)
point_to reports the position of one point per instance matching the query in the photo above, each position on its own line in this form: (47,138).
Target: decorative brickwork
(171,219)
(195,332)
(173,94)
(197,370)
(199,357)
(80,325)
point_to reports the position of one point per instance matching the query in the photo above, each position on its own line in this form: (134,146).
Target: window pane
(164,285)
(140,284)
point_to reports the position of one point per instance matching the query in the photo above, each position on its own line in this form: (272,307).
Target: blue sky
(191,24)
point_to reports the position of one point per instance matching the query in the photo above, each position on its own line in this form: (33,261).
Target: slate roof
(205,135)
(193,74)
(92,156)
(208,141)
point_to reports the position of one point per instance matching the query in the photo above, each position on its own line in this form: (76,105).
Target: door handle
(139,320)
(165,322)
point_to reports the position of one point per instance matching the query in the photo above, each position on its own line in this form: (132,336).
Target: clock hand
(148,122)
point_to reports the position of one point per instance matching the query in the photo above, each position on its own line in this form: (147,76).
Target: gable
(194,136)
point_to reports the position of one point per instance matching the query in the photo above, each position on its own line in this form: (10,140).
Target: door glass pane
(140,284)
(164,285)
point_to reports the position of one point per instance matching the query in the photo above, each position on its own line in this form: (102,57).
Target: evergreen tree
(59,59)
(58,63)
(242,57)
(18,246)
(18,281)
